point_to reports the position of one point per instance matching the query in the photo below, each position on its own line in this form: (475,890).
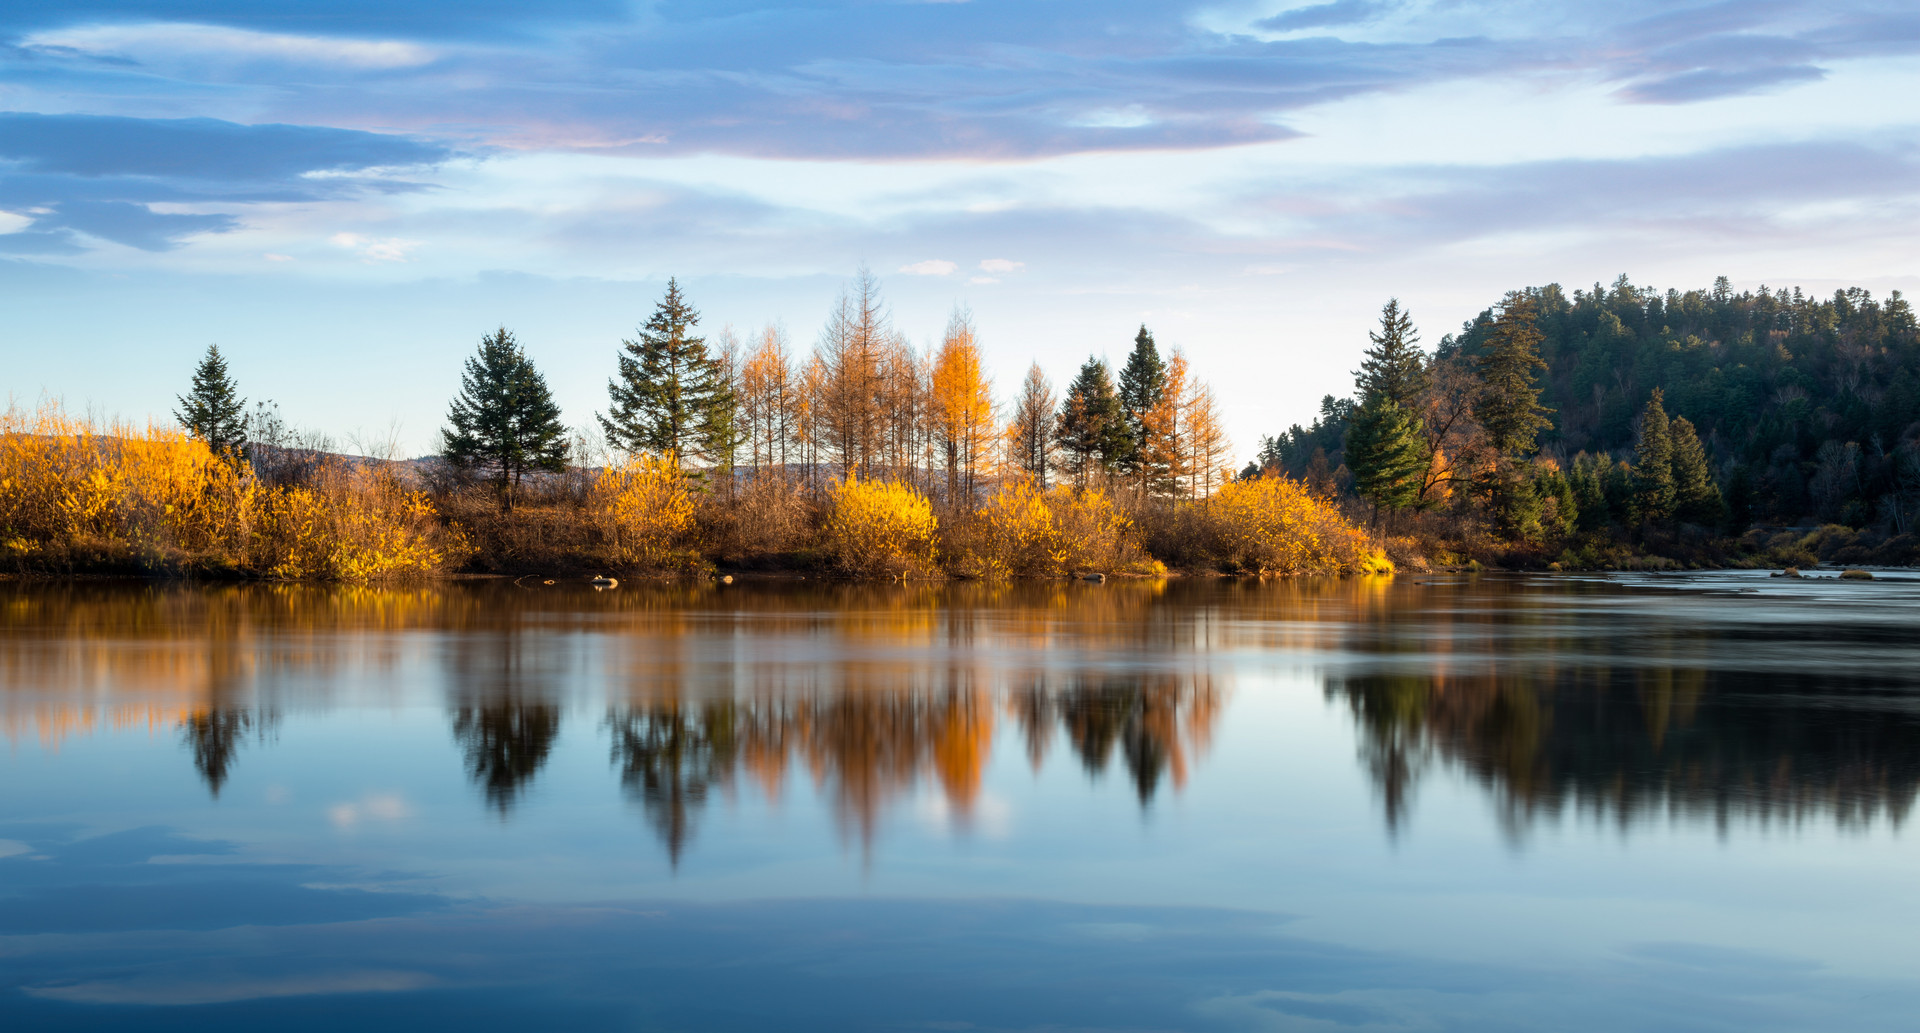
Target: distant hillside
(1809,407)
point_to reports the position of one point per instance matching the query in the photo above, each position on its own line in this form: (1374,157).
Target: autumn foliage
(73,494)
(643,510)
(1273,525)
(1023,531)
(878,528)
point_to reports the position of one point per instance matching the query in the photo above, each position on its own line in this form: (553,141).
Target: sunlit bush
(880,528)
(73,494)
(643,510)
(1273,525)
(1025,532)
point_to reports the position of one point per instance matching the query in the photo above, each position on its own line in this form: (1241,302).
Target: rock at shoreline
(1856,575)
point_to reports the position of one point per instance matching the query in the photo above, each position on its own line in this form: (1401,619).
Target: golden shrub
(879,528)
(158,498)
(1274,525)
(643,511)
(1025,532)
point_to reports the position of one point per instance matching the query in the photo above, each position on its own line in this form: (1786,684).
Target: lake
(1436,802)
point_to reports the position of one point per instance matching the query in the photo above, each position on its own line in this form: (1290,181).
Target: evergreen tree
(1091,429)
(504,420)
(213,410)
(1386,452)
(670,396)
(1143,382)
(1653,490)
(1696,498)
(1394,366)
(1509,406)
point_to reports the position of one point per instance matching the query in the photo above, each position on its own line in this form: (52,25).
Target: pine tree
(1696,498)
(670,396)
(1091,428)
(1509,405)
(504,420)
(1394,366)
(1653,489)
(1143,383)
(213,410)
(1386,452)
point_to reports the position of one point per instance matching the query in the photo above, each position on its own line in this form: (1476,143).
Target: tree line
(863,403)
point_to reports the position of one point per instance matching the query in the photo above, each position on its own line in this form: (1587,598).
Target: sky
(346,195)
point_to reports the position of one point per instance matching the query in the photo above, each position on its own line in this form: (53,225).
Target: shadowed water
(1433,803)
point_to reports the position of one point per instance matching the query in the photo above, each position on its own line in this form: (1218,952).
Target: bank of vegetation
(866,457)
(1628,427)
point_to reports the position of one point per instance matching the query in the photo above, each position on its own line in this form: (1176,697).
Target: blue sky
(346,195)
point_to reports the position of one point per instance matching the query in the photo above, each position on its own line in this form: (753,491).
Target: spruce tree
(1092,427)
(1653,490)
(670,396)
(1509,405)
(1394,366)
(1386,452)
(1696,498)
(1142,383)
(504,420)
(212,410)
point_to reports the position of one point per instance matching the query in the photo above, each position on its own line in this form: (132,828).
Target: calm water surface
(1441,803)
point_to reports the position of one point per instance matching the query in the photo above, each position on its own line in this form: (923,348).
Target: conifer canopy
(212,410)
(504,420)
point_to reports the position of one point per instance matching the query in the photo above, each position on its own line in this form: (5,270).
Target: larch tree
(670,397)
(1394,366)
(767,402)
(212,409)
(1160,458)
(1143,383)
(1030,443)
(853,353)
(1207,442)
(962,407)
(504,420)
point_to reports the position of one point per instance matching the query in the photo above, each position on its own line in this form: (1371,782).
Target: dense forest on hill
(1808,409)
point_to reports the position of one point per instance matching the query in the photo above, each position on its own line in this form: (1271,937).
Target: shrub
(880,528)
(348,525)
(1273,525)
(769,517)
(642,510)
(1025,532)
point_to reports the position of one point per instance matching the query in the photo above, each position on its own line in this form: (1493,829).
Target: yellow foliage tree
(962,409)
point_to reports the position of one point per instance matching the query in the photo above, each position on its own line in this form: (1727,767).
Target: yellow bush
(1025,532)
(877,528)
(1273,525)
(643,509)
(162,499)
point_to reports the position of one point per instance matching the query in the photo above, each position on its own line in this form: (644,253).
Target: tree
(1653,494)
(1509,406)
(1091,428)
(1206,440)
(1143,383)
(850,403)
(1394,366)
(1696,498)
(962,407)
(768,399)
(504,418)
(670,396)
(1386,452)
(212,410)
(1030,433)
(1160,458)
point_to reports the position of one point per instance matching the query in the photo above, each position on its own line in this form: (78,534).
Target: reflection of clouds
(372,807)
(988,815)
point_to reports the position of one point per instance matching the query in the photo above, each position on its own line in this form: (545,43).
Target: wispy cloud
(930,267)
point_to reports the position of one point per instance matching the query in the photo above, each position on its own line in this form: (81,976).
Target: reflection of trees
(506,744)
(866,749)
(1633,742)
(214,736)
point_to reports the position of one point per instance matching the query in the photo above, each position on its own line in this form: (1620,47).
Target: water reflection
(1622,702)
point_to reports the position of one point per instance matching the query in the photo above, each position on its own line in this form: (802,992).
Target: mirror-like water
(1437,803)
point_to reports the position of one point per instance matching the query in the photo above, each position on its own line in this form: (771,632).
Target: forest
(861,457)
(1625,425)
